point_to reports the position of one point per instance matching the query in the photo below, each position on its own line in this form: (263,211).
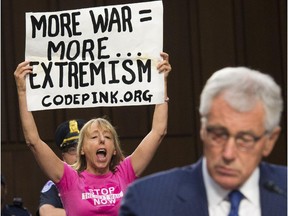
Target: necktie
(235,198)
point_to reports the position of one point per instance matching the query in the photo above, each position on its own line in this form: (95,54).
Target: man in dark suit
(240,113)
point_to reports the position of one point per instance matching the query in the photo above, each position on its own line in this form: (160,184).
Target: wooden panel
(262,35)
(217,35)
(4,109)
(22,174)
(24,177)
(180,89)
(74,4)
(264,50)
(282,13)
(197,80)
(131,121)
(173,152)
(9,113)
(86,114)
(7,170)
(28,179)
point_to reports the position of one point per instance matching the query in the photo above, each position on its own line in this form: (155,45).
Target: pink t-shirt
(86,194)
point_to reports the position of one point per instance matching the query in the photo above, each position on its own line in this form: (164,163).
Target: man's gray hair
(242,88)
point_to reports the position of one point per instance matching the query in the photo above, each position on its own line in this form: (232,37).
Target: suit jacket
(181,191)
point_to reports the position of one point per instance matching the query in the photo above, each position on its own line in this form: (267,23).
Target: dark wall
(201,36)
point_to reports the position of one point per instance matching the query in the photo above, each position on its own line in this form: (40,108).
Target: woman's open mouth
(101,154)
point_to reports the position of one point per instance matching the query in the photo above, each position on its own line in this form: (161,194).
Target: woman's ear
(82,152)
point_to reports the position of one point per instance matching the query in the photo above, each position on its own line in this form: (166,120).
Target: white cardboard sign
(92,57)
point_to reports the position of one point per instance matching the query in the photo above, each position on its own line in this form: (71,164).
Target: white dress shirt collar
(216,194)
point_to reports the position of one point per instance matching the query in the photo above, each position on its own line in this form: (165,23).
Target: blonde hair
(103,124)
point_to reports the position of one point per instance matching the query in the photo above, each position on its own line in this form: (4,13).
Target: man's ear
(270,143)
(202,132)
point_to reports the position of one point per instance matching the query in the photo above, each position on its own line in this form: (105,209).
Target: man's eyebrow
(218,127)
(250,132)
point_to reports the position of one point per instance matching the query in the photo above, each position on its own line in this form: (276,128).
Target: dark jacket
(181,191)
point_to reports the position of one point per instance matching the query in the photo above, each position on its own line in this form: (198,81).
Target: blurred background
(201,36)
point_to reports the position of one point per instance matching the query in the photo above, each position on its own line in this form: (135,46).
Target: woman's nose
(102,139)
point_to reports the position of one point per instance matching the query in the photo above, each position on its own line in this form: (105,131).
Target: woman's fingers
(164,65)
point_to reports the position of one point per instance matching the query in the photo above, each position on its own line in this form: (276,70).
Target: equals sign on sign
(147,17)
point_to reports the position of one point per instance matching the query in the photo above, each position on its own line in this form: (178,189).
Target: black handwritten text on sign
(106,55)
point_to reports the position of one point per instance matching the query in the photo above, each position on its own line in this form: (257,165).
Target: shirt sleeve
(50,195)
(127,170)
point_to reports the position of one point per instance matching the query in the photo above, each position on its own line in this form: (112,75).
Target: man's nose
(230,149)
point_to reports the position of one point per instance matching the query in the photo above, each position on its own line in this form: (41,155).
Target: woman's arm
(49,162)
(48,210)
(145,151)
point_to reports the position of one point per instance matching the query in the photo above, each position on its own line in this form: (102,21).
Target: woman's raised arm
(49,162)
(145,151)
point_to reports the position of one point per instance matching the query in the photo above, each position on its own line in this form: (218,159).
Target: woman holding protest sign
(101,175)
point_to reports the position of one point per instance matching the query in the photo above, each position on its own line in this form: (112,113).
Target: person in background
(15,209)
(96,183)
(66,139)
(240,113)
